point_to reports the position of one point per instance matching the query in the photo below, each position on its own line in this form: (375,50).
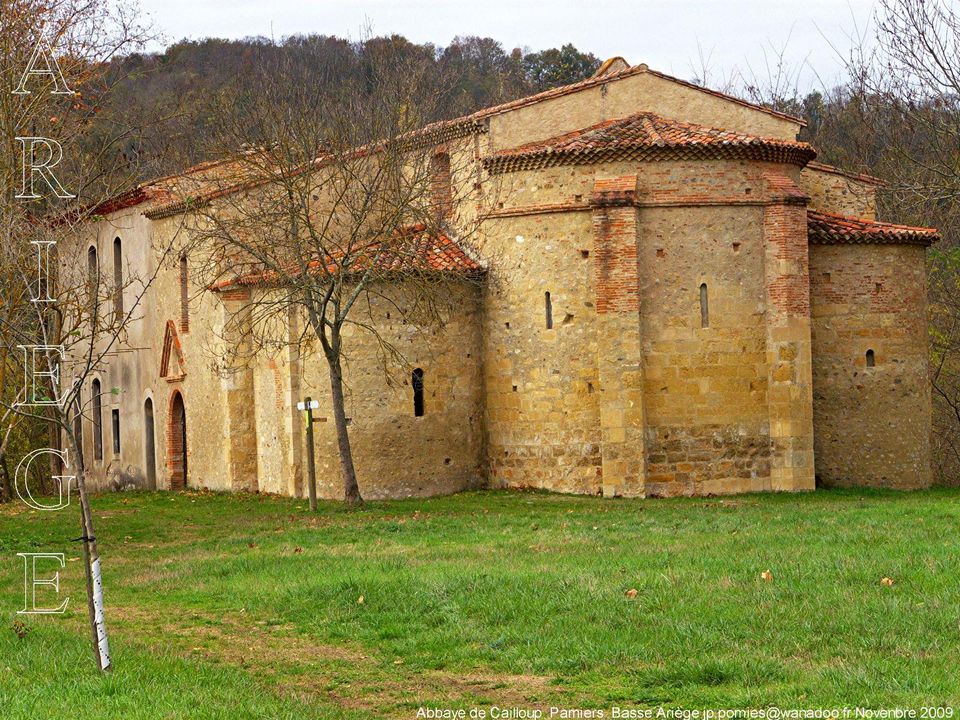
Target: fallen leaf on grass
(631,593)
(360,600)
(297,550)
(767,575)
(887,582)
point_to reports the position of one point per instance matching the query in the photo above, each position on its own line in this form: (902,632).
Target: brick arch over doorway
(177,442)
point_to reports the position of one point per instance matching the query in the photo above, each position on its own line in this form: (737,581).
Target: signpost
(309,405)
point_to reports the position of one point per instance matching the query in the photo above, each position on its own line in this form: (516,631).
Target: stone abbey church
(683,302)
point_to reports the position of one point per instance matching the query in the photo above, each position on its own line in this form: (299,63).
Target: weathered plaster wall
(872,424)
(132,375)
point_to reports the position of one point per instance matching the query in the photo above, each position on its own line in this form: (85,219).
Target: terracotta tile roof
(201,180)
(834,170)
(826,229)
(646,136)
(416,250)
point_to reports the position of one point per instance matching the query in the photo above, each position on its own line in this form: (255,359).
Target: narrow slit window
(97,420)
(115,422)
(417,382)
(704,307)
(871,359)
(184,295)
(93,278)
(117,278)
(548,310)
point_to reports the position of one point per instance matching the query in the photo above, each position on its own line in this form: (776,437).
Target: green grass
(247,606)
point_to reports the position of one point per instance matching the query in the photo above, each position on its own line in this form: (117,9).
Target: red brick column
(619,351)
(789,366)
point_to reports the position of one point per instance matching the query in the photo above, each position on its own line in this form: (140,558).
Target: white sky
(668,35)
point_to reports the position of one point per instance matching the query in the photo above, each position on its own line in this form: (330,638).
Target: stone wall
(872,423)
(834,191)
(626,280)
(396,453)
(634,92)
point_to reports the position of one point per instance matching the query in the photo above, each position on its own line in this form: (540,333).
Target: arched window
(184,296)
(117,279)
(78,423)
(97,421)
(417,382)
(704,308)
(150,443)
(548,309)
(441,189)
(871,359)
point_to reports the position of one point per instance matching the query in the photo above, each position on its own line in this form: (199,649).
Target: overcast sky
(668,35)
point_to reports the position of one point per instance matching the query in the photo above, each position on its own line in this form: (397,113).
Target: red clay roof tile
(646,136)
(416,251)
(827,229)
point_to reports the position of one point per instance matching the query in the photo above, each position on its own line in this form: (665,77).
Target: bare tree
(48,325)
(339,193)
(901,115)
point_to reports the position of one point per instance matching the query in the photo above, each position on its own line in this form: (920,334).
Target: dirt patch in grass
(292,665)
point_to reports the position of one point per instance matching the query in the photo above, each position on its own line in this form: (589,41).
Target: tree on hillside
(468,74)
(341,195)
(558,66)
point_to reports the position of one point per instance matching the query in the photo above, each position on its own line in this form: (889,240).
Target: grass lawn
(249,607)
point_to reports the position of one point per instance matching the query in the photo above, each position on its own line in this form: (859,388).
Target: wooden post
(311,464)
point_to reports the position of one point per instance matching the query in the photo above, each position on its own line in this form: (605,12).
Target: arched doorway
(177,443)
(150,444)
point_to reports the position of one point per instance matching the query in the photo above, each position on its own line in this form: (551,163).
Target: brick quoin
(785,228)
(615,238)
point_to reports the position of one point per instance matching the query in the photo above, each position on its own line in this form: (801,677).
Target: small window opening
(871,359)
(115,421)
(417,382)
(660,252)
(704,308)
(184,295)
(548,308)
(584,254)
(117,279)
(736,247)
